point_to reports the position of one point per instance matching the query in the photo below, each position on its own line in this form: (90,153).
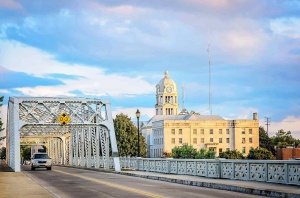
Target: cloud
(289,123)
(10,4)
(4,91)
(91,80)
(146,113)
(289,27)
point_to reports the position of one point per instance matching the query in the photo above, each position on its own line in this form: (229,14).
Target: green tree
(201,154)
(232,154)
(184,152)
(127,137)
(25,152)
(3,153)
(260,154)
(1,100)
(210,154)
(283,139)
(265,141)
(188,152)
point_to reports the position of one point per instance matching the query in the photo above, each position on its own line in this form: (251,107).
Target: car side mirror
(31,158)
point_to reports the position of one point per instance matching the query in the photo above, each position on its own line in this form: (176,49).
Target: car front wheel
(48,168)
(32,168)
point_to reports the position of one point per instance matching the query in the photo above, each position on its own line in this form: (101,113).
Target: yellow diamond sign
(64,119)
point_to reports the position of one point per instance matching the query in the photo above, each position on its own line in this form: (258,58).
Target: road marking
(111,184)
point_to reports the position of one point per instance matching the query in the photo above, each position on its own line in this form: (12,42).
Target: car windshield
(41,156)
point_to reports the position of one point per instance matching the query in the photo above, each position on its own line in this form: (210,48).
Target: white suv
(41,160)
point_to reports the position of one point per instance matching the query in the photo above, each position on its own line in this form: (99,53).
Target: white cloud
(290,123)
(146,113)
(4,91)
(286,26)
(91,81)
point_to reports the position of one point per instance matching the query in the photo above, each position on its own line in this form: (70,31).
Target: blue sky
(120,49)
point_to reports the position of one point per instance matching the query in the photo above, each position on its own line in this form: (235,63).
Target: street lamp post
(138,114)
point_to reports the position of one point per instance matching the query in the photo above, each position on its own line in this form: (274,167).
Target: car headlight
(34,162)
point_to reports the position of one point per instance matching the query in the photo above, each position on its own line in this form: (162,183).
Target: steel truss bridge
(76,131)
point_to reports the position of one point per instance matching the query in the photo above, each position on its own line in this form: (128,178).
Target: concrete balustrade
(273,171)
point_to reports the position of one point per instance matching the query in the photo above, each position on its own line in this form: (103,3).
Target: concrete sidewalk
(18,185)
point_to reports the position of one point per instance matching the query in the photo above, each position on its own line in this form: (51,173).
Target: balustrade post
(206,169)
(286,173)
(248,173)
(233,170)
(266,171)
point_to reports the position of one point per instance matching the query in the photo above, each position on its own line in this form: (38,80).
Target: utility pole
(268,123)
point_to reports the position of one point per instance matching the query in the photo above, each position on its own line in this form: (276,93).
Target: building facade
(169,128)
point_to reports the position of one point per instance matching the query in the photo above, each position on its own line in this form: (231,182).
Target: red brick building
(287,153)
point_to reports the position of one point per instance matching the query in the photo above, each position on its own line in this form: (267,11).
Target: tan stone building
(167,129)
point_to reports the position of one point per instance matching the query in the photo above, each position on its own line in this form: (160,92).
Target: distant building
(287,153)
(169,128)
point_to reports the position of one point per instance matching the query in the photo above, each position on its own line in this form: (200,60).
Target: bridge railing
(274,171)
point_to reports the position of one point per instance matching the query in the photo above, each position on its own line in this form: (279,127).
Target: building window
(173,131)
(220,140)
(220,131)
(227,149)
(244,150)
(180,131)
(211,140)
(250,131)
(227,131)
(195,131)
(195,140)
(243,131)
(202,140)
(250,140)
(227,140)
(173,141)
(202,131)
(211,131)
(220,151)
(180,140)
(243,140)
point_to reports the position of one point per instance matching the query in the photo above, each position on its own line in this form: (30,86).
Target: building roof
(167,81)
(183,117)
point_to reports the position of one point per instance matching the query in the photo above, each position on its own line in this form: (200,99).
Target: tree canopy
(188,152)
(1,100)
(283,139)
(260,154)
(232,154)
(265,141)
(127,137)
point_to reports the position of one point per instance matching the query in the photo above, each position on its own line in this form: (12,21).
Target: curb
(245,190)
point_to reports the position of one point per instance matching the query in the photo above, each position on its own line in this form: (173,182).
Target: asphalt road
(66,182)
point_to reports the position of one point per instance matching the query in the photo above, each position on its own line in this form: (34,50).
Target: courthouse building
(170,128)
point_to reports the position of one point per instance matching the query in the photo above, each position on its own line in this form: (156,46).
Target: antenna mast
(209,96)
(182,97)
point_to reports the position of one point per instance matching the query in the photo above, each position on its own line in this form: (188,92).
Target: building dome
(166,82)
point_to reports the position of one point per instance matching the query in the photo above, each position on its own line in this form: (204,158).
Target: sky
(119,50)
